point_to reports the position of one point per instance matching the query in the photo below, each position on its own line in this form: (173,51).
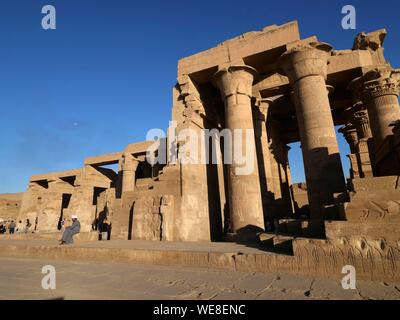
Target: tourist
(75,228)
(109,231)
(2,227)
(27,226)
(104,227)
(20,227)
(11,227)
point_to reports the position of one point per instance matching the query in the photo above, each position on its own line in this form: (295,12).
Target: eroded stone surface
(283,89)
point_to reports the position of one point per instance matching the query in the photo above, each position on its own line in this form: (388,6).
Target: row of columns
(306,68)
(358,135)
(375,108)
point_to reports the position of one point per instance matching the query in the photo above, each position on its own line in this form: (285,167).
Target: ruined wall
(10,204)
(43,204)
(83,201)
(149,212)
(203,186)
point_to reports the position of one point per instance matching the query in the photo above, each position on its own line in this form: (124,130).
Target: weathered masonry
(286,89)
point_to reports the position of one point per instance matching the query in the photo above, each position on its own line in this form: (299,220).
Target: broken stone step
(334,211)
(277,242)
(302,228)
(266,240)
(283,243)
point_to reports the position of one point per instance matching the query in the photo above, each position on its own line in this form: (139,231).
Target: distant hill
(11,196)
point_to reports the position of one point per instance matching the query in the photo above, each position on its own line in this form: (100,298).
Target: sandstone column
(128,166)
(365,156)
(361,122)
(306,67)
(350,134)
(263,106)
(264,160)
(379,89)
(235,84)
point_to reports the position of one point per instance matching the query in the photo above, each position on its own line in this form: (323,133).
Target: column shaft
(128,166)
(382,111)
(244,191)
(306,67)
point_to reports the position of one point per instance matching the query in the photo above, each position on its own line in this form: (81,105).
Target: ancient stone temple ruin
(286,89)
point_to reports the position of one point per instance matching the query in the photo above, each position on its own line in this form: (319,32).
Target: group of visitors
(12,227)
(101,224)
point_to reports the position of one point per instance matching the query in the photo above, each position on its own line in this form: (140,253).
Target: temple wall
(82,201)
(10,204)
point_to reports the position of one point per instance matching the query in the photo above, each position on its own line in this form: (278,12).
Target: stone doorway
(66,199)
(130,224)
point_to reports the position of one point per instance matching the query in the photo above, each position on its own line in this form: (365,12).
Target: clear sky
(103,78)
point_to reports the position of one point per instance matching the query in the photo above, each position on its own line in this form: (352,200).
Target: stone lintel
(52,176)
(102,160)
(138,147)
(236,49)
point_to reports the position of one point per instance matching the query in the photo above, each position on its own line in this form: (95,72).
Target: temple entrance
(66,199)
(101,208)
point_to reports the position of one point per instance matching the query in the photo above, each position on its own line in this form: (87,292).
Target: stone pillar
(350,134)
(379,90)
(128,165)
(275,146)
(263,105)
(246,214)
(279,171)
(306,67)
(264,160)
(361,123)
(364,147)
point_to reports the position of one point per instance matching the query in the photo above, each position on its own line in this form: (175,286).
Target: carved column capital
(263,105)
(235,80)
(128,162)
(375,83)
(304,60)
(350,134)
(361,122)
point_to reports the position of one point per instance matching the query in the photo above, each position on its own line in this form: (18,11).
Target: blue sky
(104,77)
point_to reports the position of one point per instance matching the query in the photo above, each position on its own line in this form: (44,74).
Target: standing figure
(104,228)
(11,227)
